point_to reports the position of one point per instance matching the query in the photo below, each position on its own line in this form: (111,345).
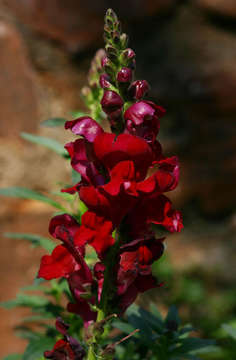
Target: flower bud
(128,54)
(125,75)
(142,119)
(124,40)
(111,102)
(111,52)
(105,61)
(138,89)
(104,81)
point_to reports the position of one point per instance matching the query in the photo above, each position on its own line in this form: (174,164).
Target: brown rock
(18,102)
(79,24)
(222,7)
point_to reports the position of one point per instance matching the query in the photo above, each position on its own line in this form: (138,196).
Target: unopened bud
(125,75)
(138,89)
(105,61)
(104,81)
(124,40)
(128,54)
(111,102)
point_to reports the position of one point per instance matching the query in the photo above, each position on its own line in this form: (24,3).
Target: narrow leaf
(13,357)
(36,240)
(154,322)
(24,193)
(77,114)
(191,344)
(75,177)
(230,330)
(53,122)
(51,144)
(25,300)
(125,327)
(36,348)
(173,316)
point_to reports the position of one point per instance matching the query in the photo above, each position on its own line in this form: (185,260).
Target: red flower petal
(110,150)
(86,127)
(59,264)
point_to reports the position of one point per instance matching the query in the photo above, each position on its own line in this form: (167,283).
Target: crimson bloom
(65,258)
(66,348)
(142,119)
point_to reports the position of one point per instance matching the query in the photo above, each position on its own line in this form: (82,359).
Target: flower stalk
(122,200)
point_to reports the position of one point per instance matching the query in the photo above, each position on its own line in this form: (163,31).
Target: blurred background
(187,52)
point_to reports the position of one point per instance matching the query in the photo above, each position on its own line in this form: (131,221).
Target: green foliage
(13,357)
(53,122)
(34,239)
(49,143)
(158,338)
(24,193)
(37,346)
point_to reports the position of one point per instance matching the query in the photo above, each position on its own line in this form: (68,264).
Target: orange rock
(222,7)
(18,99)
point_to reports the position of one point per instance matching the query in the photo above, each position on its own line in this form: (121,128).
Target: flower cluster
(124,176)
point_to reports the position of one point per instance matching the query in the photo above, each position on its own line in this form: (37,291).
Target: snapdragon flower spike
(124,179)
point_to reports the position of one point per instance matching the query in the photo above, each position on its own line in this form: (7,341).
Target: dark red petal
(66,221)
(59,264)
(110,150)
(86,127)
(139,111)
(83,309)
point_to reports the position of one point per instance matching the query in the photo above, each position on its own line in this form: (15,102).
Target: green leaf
(191,344)
(13,357)
(36,240)
(154,322)
(24,193)
(125,327)
(53,122)
(51,144)
(66,196)
(173,316)
(24,332)
(134,318)
(77,114)
(154,310)
(35,318)
(230,330)
(25,300)
(75,177)
(36,347)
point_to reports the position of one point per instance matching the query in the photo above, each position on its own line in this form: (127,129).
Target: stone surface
(79,24)
(222,7)
(18,93)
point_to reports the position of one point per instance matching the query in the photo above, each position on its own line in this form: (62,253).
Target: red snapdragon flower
(124,176)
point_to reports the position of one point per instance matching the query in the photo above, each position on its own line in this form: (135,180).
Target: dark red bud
(104,81)
(105,61)
(111,102)
(125,75)
(129,53)
(138,89)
